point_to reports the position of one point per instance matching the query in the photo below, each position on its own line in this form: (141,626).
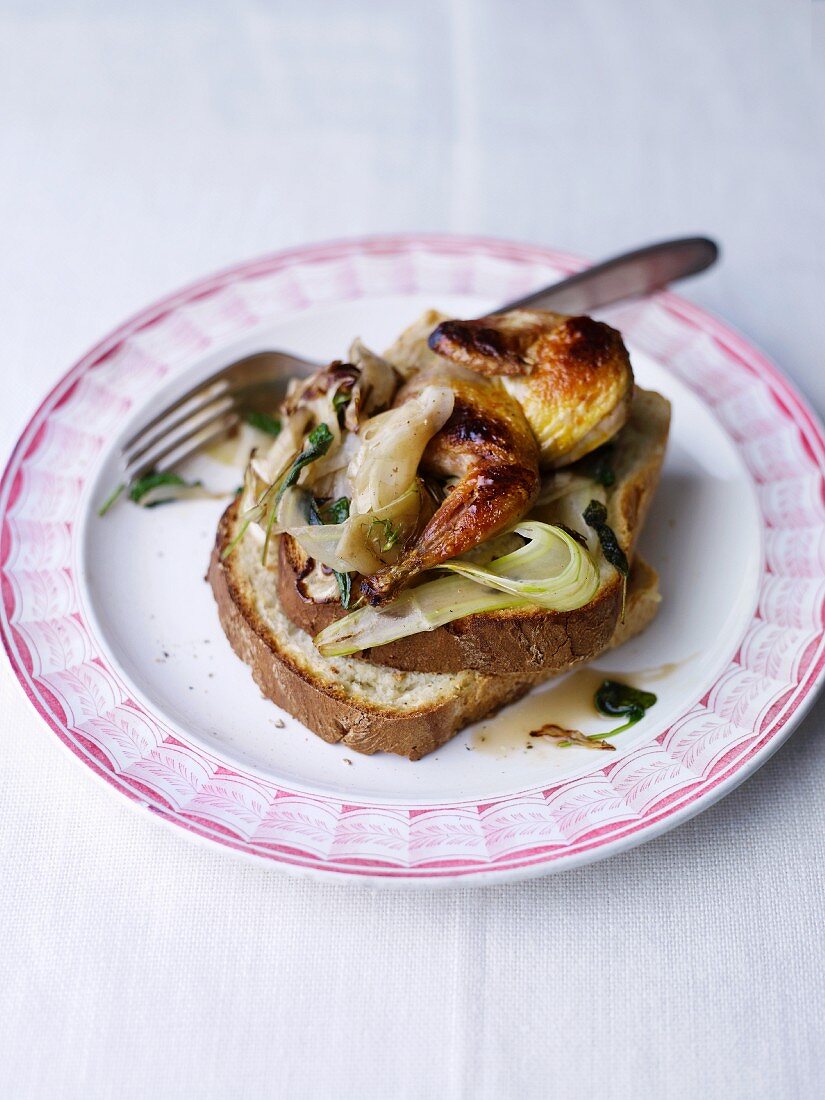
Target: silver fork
(256,383)
(211,409)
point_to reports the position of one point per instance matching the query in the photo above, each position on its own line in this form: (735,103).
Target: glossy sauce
(568,704)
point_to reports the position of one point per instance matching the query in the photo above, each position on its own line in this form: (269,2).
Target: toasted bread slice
(522,640)
(368,707)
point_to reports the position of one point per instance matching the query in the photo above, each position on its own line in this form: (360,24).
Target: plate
(114,635)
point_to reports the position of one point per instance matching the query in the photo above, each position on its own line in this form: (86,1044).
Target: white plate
(113,632)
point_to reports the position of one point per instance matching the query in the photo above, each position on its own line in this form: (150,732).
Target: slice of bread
(368,707)
(518,641)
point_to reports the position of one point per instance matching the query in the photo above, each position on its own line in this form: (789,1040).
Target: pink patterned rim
(739,722)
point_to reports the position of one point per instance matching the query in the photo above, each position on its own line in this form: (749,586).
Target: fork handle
(631,275)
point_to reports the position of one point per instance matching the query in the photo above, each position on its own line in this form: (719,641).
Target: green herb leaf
(315,517)
(615,700)
(337,511)
(341,399)
(344,587)
(600,466)
(594,513)
(323,512)
(318,443)
(329,512)
(383,534)
(110,499)
(263,422)
(595,516)
(138,489)
(618,700)
(143,485)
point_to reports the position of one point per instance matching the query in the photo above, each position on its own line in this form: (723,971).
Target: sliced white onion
(392,444)
(560,484)
(329,476)
(353,546)
(375,387)
(567,510)
(270,464)
(364,544)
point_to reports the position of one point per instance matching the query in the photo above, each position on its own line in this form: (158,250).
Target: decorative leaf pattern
(793,502)
(750,414)
(775,652)
(796,552)
(221,315)
(372,832)
(171,339)
(82,695)
(43,595)
(37,544)
(46,493)
(588,802)
(130,369)
(646,777)
(300,823)
(124,735)
(91,403)
(511,826)
(450,835)
(792,603)
(703,362)
(87,691)
(776,454)
(699,739)
(55,643)
(62,446)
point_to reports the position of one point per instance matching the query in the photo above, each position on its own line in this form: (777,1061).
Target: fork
(210,410)
(219,403)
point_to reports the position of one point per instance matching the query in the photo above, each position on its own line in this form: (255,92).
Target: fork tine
(252,369)
(198,445)
(183,427)
(237,396)
(221,421)
(213,387)
(222,402)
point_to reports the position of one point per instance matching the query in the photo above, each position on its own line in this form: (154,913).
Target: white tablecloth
(143,145)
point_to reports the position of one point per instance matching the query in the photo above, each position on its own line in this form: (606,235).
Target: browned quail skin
(571,375)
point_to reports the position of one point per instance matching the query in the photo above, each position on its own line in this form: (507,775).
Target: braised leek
(551,570)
